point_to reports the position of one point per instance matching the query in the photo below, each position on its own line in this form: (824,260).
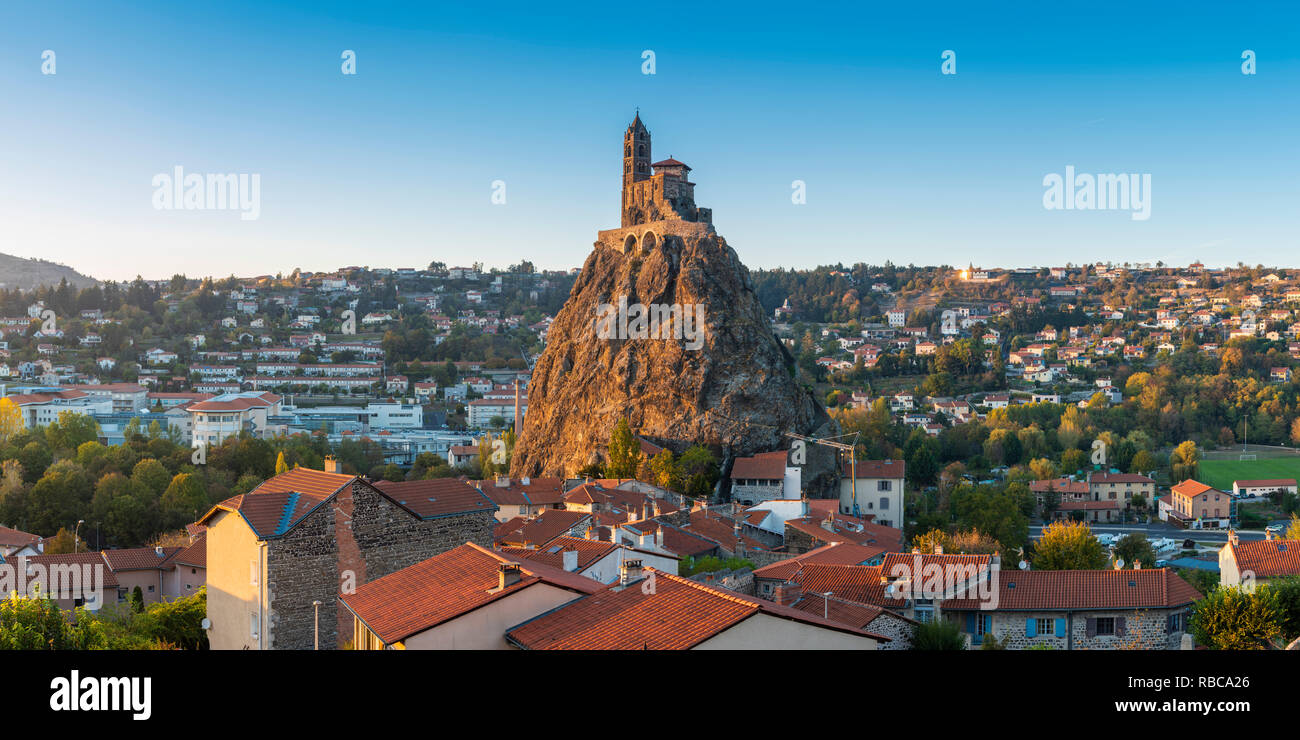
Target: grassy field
(1221,473)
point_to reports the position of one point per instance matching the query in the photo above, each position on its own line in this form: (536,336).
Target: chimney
(570,560)
(659,538)
(332,464)
(523,481)
(629,571)
(938,549)
(157,550)
(503,481)
(1232,537)
(1268,534)
(1137,565)
(787,592)
(508,574)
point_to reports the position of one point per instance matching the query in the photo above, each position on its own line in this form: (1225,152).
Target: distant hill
(20,272)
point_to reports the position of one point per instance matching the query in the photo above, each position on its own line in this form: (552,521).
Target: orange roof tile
(1267,558)
(446,586)
(679,615)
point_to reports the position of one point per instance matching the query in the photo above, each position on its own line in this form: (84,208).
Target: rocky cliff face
(731,388)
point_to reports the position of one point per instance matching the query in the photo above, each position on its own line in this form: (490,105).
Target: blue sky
(394,166)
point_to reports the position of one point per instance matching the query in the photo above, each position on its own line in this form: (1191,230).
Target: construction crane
(853,458)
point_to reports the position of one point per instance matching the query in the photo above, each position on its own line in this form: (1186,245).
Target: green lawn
(1221,473)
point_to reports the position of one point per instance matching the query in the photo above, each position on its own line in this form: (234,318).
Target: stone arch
(629,244)
(648,242)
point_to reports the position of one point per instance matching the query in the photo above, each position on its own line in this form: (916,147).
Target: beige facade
(236,572)
(768,632)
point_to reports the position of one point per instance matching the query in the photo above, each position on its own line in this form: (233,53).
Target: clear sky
(394,166)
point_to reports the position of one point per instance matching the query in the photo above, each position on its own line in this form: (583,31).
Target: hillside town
(143,427)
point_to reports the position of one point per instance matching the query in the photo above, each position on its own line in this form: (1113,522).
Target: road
(1161,529)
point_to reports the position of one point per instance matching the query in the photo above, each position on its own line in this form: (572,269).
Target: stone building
(665,193)
(307,536)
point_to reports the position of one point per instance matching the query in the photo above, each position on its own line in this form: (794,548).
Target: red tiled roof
(670,162)
(538,492)
(1087,589)
(436,497)
(545,527)
(78,558)
(875,469)
(1267,558)
(1266,483)
(589,551)
(195,555)
(860,583)
(850,613)
(282,501)
(444,587)
(679,615)
(763,466)
(676,540)
(139,558)
(1190,488)
(16,538)
(836,553)
(237,404)
(1119,478)
(845,530)
(1059,485)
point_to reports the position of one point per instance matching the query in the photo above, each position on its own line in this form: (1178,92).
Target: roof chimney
(157,550)
(1232,537)
(629,571)
(332,464)
(787,592)
(1268,534)
(503,481)
(508,574)
(570,560)
(1137,565)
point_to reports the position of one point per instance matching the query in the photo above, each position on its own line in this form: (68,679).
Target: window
(884,502)
(1045,626)
(252,572)
(151,589)
(883,485)
(254,626)
(1105,625)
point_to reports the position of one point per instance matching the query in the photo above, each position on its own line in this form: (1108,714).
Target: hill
(27,274)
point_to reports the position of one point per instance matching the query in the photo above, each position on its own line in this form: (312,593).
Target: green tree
(624,452)
(183,501)
(1184,462)
(35,622)
(938,634)
(1068,546)
(1134,548)
(1235,619)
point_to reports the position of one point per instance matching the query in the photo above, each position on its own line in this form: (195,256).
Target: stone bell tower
(636,165)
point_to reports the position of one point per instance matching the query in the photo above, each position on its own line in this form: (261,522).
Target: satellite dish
(1119,564)
(206,623)
(1024,565)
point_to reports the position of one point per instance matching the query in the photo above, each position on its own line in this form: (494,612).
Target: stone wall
(357,537)
(740,580)
(896,628)
(1143,630)
(798,542)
